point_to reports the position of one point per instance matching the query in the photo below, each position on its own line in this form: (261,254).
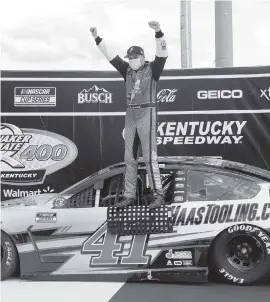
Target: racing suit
(141,114)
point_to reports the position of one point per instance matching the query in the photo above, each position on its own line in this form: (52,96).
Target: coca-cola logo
(166,95)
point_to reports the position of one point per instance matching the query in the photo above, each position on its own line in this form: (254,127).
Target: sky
(54,34)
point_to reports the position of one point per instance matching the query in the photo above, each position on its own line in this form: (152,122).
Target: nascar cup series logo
(95,95)
(200,132)
(28,155)
(35,96)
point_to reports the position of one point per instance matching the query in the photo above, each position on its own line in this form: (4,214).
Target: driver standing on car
(141,79)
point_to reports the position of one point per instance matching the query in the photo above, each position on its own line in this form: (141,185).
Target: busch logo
(219,94)
(95,95)
(265,93)
(166,96)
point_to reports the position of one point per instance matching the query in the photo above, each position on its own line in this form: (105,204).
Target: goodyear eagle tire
(241,255)
(9,256)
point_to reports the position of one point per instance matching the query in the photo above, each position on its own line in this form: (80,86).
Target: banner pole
(186,42)
(223,34)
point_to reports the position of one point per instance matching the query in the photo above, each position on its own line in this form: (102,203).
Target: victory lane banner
(60,127)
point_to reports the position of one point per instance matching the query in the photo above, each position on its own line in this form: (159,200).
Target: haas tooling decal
(28,155)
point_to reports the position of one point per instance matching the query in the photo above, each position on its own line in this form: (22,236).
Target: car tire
(240,255)
(9,256)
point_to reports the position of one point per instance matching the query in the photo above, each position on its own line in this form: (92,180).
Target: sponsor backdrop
(59,127)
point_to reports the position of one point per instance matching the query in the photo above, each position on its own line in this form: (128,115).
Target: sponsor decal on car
(46,217)
(219,94)
(226,213)
(95,95)
(176,263)
(34,96)
(265,93)
(28,155)
(166,95)
(179,258)
(187,262)
(201,132)
(169,262)
(180,178)
(178,254)
(180,263)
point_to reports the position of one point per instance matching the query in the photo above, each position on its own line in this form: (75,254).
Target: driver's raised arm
(118,63)
(158,64)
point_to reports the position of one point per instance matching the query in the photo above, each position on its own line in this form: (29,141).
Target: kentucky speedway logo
(28,155)
(95,95)
(201,132)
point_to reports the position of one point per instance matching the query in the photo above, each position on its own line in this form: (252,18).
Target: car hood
(34,200)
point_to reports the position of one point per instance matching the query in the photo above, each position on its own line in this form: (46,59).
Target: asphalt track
(30,291)
(209,292)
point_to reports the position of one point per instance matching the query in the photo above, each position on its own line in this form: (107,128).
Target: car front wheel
(9,256)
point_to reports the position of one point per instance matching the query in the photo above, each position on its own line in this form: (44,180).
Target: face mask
(135,64)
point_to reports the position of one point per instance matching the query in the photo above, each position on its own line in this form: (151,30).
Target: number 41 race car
(220,223)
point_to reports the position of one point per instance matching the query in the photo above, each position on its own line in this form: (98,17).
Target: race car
(220,212)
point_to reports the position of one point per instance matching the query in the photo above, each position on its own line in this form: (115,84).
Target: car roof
(195,161)
(208,161)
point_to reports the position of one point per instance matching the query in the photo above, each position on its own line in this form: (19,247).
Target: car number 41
(108,249)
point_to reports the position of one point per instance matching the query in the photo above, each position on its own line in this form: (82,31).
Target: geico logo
(220,94)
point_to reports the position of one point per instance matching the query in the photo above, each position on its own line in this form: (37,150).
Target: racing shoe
(157,202)
(125,202)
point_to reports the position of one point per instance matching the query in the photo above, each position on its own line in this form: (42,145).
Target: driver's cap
(134,51)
